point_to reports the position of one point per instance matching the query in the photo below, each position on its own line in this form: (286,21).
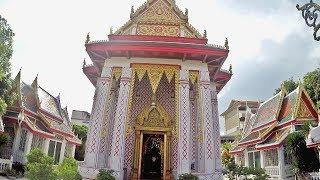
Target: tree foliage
(81,131)
(188,177)
(311,82)
(304,159)
(289,84)
(39,166)
(226,156)
(67,170)
(6,42)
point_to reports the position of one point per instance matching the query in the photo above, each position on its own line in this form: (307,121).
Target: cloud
(258,77)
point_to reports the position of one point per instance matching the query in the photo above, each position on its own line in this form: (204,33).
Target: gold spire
(226,44)
(88,38)
(111,30)
(132,12)
(205,34)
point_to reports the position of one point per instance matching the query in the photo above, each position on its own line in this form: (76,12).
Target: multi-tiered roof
(158,29)
(269,127)
(43,114)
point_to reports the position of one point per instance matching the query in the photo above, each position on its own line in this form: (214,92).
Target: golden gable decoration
(303,111)
(159,18)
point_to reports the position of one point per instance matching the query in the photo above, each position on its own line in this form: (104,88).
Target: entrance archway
(152,144)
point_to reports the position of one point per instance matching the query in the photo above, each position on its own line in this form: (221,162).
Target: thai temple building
(155,112)
(36,120)
(263,142)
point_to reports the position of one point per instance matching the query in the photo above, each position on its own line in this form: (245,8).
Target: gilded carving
(303,111)
(116,72)
(193,76)
(154,116)
(159,30)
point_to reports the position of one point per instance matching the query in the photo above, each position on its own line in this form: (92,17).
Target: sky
(269,42)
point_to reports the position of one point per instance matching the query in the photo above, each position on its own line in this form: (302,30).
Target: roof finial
(186,12)
(84,62)
(35,82)
(132,12)
(230,68)
(226,44)
(111,30)
(205,33)
(88,38)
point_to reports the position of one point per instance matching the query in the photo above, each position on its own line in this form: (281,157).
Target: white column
(97,118)
(216,132)
(28,142)
(281,162)
(246,158)
(16,143)
(184,153)
(62,151)
(116,159)
(73,150)
(207,119)
(46,146)
(262,158)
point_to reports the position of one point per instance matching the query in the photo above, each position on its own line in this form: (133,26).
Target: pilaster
(116,158)
(97,118)
(216,132)
(206,116)
(184,152)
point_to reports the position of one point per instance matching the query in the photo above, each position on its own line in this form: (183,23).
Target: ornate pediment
(159,18)
(153,117)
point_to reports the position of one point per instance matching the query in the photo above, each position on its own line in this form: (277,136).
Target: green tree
(304,159)
(81,131)
(40,166)
(311,83)
(6,42)
(290,85)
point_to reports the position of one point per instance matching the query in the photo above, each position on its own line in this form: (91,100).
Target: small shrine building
(263,142)
(36,120)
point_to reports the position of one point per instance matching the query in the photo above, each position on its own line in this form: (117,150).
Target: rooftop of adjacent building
(242,104)
(80,115)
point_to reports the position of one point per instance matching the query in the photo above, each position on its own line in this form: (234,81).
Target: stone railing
(5,164)
(272,170)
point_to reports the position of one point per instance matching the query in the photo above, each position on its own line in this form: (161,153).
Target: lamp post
(311,12)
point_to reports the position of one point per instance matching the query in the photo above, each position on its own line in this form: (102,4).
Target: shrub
(67,170)
(188,177)
(78,176)
(4,139)
(105,175)
(39,166)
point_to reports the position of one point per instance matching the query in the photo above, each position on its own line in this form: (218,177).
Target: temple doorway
(152,156)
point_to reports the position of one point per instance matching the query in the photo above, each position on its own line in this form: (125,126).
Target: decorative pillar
(116,158)
(62,151)
(184,154)
(207,120)
(216,132)
(46,146)
(97,119)
(73,150)
(281,162)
